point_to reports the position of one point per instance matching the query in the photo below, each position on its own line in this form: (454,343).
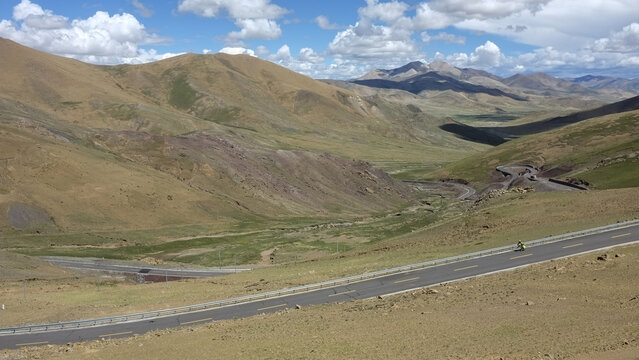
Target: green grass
(626,174)
(124,112)
(182,95)
(580,146)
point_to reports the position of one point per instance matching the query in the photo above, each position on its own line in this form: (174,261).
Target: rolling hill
(602,149)
(211,140)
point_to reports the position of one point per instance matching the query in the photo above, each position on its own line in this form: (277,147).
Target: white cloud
(283,55)
(263,29)
(443,36)
(238,9)
(438,14)
(366,41)
(307,55)
(488,9)
(563,24)
(262,51)
(237,51)
(387,12)
(323,22)
(486,56)
(626,40)
(255,18)
(26,8)
(370,41)
(101,38)
(142,9)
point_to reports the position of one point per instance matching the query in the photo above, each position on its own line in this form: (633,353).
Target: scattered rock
(603,257)
(529,303)
(298,307)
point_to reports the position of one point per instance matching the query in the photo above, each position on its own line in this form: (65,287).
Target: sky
(341,39)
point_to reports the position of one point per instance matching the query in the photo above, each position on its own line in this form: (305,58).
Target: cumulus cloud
(323,22)
(236,51)
(491,9)
(255,18)
(626,40)
(283,55)
(263,29)
(487,55)
(387,12)
(101,38)
(308,55)
(443,36)
(383,32)
(238,9)
(438,14)
(373,41)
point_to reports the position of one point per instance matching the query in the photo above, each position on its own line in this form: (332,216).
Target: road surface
(114,267)
(384,285)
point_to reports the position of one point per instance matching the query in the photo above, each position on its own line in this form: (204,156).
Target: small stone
(529,303)
(298,307)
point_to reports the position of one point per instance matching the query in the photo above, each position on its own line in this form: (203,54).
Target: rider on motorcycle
(521,246)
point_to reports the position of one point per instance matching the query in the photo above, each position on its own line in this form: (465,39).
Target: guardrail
(298,289)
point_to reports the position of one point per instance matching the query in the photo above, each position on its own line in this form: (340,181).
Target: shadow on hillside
(473,134)
(499,135)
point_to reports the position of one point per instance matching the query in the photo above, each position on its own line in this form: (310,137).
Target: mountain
(195,141)
(546,84)
(608,82)
(416,77)
(427,80)
(398,74)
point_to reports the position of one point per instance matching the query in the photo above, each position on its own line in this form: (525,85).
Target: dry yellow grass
(577,308)
(495,223)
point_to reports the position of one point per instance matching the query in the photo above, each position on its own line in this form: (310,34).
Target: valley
(226,161)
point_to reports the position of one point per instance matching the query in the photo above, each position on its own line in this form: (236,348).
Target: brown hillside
(193,140)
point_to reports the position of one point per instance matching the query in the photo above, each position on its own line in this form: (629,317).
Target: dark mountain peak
(408,70)
(588,78)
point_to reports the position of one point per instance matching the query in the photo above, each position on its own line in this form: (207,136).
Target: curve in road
(379,286)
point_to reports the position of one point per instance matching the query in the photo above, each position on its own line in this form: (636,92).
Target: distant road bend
(492,261)
(114,267)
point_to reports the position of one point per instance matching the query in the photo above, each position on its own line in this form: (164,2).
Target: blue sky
(341,39)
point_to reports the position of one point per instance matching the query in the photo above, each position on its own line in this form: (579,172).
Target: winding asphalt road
(380,286)
(108,266)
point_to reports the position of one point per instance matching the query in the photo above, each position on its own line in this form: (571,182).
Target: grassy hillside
(604,151)
(116,160)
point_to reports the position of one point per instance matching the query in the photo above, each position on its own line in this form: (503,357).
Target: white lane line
(622,235)
(405,280)
(33,343)
(571,246)
(520,256)
(116,334)
(466,268)
(271,307)
(196,321)
(342,293)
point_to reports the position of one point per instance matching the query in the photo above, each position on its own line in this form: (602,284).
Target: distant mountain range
(416,77)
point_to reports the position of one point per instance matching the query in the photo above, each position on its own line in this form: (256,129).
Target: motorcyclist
(521,246)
